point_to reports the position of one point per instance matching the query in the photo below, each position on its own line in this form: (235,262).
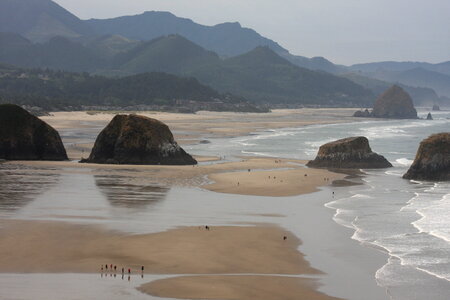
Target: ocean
(408,220)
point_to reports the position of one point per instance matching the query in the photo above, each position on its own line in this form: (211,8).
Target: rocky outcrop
(133,139)
(429,116)
(362,114)
(394,103)
(26,137)
(348,153)
(432,160)
(436,107)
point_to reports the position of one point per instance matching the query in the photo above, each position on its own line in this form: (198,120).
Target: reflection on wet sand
(122,192)
(19,185)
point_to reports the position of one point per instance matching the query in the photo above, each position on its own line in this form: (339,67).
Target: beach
(268,226)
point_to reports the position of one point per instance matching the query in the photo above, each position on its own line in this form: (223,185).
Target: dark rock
(394,103)
(432,160)
(429,116)
(362,114)
(436,107)
(133,139)
(26,137)
(348,153)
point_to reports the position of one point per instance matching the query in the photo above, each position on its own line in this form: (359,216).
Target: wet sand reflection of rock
(19,185)
(122,192)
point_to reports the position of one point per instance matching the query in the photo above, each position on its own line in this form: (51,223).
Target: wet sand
(39,247)
(235,288)
(287,177)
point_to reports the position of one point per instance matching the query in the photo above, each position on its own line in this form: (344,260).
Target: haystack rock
(432,160)
(26,137)
(348,153)
(429,116)
(394,103)
(133,139)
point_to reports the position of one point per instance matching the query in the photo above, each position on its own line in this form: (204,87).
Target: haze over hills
(226,56)
(40,20)
(57,90)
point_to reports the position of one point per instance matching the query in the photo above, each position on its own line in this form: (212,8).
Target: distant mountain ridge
(40,20)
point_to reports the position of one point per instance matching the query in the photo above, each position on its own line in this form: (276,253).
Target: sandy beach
(223,256)
(235,288)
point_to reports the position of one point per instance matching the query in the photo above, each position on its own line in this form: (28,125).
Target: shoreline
(255,183)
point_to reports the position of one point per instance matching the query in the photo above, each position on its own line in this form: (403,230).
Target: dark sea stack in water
(362,114)
(26,137)
(348,153)
(133,139)
(436,107)
(429,116)
(432,160)
(394,103)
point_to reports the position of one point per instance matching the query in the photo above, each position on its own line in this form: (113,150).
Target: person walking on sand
(129,271)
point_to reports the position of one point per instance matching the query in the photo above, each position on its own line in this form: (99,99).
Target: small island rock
(429,116)
(362,113)
(394,103)
(133,139)
(26,137)
(436,108)
(432,160)
(348,153)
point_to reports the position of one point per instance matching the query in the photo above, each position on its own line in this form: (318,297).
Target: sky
(344,31)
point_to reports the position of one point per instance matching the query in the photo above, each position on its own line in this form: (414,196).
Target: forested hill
(57,90)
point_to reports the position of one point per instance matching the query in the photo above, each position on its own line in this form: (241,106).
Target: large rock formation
(432,160)
(394,103)
(348,153)
(133,139)
(25,137)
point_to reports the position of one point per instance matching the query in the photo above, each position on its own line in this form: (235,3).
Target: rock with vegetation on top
(133,139)
(348,153)
(432,160)
(26,137)
(394,103)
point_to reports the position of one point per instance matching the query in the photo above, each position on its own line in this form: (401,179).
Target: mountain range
(228,57)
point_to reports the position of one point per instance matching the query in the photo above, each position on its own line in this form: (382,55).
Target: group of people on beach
(112,269)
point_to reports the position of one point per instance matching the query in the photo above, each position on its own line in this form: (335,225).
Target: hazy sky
(344,31)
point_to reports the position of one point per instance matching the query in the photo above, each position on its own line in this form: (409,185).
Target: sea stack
(432,160)
(394,103)
(133,139)
(429,116)
(436,107)
(348,153)
(26,137)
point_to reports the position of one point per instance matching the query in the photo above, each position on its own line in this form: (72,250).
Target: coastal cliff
(133,139)
(348,153)
(432,160)
(26,137)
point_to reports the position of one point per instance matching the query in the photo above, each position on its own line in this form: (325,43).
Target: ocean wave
(404,162)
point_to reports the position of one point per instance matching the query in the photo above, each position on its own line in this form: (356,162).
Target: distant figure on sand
(207,227)
(129,270)
(284,238)
(142,269)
